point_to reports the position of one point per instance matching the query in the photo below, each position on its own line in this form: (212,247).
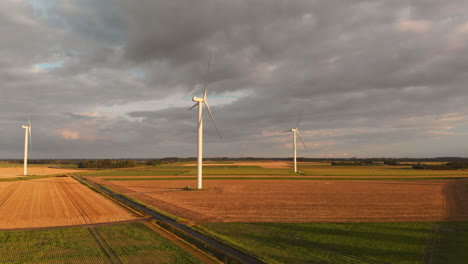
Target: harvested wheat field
(7,172)
(54,201)
(303,201)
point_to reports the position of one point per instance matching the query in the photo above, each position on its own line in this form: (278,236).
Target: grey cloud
(351,66)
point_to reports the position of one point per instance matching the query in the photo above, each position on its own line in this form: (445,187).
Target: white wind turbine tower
(27,144)
(295,132)
(199,101)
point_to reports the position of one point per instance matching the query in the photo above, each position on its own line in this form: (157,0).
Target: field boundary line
(431,243)
(82,225)
(131,209)
(202,255)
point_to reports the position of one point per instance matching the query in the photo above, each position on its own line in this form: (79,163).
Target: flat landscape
(299,200)
(55,201)
(324,214)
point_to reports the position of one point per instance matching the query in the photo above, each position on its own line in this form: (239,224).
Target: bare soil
(303,201)
(55,201)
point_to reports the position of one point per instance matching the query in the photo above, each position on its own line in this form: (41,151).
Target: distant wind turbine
(295,132)
(27,146)
(199,101)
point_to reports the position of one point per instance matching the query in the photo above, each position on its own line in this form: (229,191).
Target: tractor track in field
(109,253)
(431,244)
(224,249)
(10,191)
(77,206)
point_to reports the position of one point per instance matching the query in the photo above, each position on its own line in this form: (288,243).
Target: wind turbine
(27,136)
(199,101)
(295,132)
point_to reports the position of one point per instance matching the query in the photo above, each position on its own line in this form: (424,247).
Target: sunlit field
(245,189)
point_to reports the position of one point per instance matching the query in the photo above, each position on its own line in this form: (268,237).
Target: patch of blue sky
(106,28)
(42,7)
(48,65)
(137,74)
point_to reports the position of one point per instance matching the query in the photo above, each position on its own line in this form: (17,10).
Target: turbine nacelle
(198,99)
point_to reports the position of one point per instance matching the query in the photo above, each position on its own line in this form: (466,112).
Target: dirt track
(54,202)
(301,201)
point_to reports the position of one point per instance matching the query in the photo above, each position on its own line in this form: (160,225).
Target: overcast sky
(114,78)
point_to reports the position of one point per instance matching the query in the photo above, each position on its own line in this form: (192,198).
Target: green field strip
(333,171)
(136,173)
(278,178)
(249,170)
(114,243)
(345,242)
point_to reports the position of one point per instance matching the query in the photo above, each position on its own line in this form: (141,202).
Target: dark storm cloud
(365,73)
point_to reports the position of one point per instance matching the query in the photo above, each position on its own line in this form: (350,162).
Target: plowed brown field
(54,201)
(303,201)
(7,172)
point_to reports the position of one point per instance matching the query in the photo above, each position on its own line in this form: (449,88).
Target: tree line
(106,164)
(447,166)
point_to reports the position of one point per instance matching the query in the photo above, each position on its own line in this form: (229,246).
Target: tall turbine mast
(296,133)
(198,102)
(27,136)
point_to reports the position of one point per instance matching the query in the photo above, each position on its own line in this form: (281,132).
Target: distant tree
(106,164)
(391,162)
(154,162)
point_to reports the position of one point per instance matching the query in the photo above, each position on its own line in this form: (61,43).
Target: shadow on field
(331,242)
(456,206)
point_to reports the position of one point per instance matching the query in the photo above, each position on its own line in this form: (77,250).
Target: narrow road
(227,250)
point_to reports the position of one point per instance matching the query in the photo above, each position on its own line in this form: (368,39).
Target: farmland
(116,243)
(326,214)
(297,201)
(348,242)
(54,201)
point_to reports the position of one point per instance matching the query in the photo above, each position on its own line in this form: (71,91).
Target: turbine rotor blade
(286,131)
(299,136)
(30,139)
(212,118)
(193,106)
(29,133)
(299,119)
(206,77)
